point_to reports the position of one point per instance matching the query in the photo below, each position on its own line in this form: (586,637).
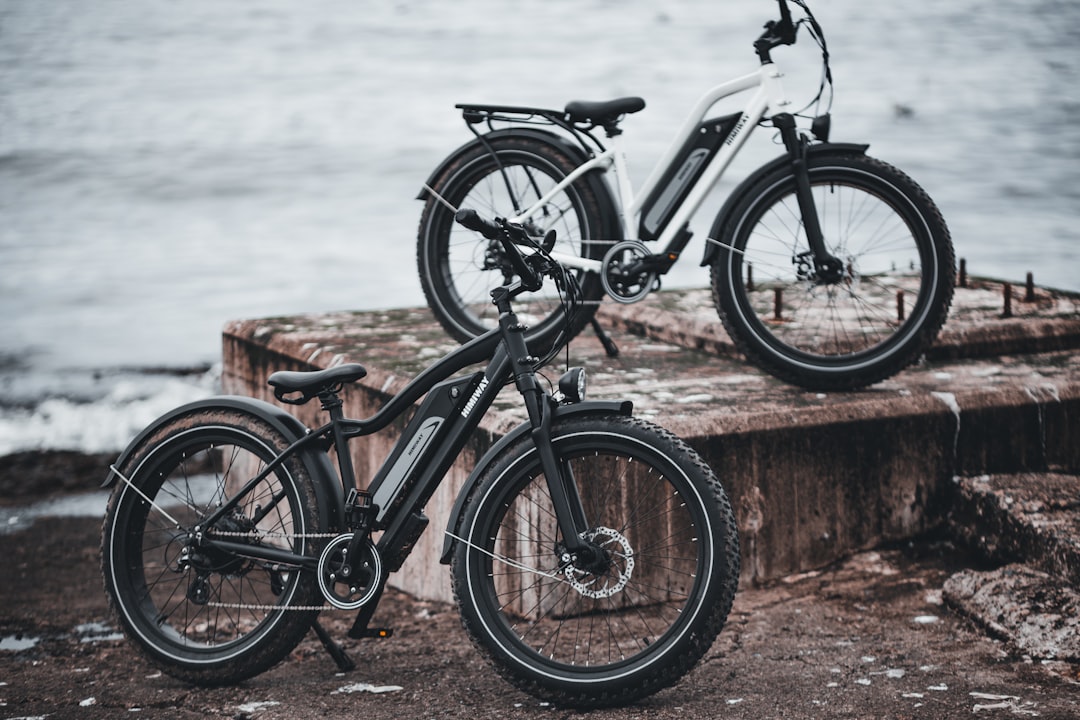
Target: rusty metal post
(963,273)
(1007,291)
(900,306)
(778,302)
(749,277)
(1029,292)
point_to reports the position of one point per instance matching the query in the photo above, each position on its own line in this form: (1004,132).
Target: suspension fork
(569,511)
(829,268)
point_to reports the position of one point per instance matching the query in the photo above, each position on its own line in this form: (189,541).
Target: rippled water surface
(167,166)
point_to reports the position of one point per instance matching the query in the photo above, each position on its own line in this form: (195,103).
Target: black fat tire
(459,267)
(187,465)
(657,492)
(892,239)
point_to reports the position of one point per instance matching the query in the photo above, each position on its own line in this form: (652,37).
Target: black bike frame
(430,443)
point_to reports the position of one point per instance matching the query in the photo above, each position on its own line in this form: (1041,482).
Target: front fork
(569,511)
(828,268)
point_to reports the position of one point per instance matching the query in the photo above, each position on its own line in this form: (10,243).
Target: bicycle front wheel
(459,268)
(882,312)
(199,612)
(646,606)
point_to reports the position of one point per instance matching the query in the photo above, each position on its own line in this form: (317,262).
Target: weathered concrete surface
(1035,612)
(813,477)
(1032,522)
(977,326)
(1029,517)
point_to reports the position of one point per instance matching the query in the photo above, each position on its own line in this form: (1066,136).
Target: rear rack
(521,115)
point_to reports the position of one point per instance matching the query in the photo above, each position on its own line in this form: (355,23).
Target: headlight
(572,385)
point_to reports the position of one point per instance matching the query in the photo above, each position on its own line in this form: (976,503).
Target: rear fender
(743,189)
(594,179)
(327,485)
(591,407)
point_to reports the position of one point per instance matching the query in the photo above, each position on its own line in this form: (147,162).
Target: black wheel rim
(214,606)
(889,278)
(544,621)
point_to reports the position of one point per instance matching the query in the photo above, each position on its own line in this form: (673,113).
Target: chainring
(362,583)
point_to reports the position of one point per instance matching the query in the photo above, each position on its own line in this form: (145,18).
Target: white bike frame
(770,99)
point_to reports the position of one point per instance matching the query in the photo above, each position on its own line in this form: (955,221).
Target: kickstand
(609,345)
(344,662)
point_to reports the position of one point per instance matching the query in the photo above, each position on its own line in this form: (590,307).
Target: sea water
(167,166)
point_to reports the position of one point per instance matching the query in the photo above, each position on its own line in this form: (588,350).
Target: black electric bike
(594,555)
(830,269)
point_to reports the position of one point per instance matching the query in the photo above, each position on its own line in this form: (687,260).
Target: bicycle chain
(258,536)
(246,606)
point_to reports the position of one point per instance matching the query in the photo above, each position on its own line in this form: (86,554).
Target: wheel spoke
(811,328)
(189,602)
(630,598)
(459,268)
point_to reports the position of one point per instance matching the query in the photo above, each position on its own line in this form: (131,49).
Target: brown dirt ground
(868,638)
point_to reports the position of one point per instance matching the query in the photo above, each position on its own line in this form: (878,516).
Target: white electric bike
(829,269)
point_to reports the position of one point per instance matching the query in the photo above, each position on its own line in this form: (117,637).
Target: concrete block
(813,477)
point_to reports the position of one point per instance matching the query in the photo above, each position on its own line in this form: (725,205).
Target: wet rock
(1034,612)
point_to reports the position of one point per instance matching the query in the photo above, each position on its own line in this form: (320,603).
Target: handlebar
(777,33)
(508,234)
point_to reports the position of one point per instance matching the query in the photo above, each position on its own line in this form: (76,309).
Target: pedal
(359,510)
(375,633)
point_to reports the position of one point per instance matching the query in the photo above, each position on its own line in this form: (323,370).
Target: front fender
(743,188)
(327,486)
(589,407)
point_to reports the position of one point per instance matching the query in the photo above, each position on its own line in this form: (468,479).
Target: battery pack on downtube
(430,444)
(680,178)
(437,415)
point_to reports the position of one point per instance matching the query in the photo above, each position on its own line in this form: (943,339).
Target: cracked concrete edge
(1027,517)
(1036,613)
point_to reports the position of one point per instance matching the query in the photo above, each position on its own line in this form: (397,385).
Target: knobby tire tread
(676,665)
(434,215)
(292,625)
(915,347)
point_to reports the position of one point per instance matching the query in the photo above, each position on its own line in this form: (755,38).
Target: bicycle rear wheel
(637,616)
(879,316)
(203,614)
(459,268)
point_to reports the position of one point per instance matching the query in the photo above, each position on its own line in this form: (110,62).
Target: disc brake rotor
(618,569)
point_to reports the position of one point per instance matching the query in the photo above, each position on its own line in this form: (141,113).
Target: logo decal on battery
(475,396)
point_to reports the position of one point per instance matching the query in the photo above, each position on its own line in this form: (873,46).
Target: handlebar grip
(472,220)
(531,279)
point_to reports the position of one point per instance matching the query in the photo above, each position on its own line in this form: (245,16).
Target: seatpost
(332,404)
